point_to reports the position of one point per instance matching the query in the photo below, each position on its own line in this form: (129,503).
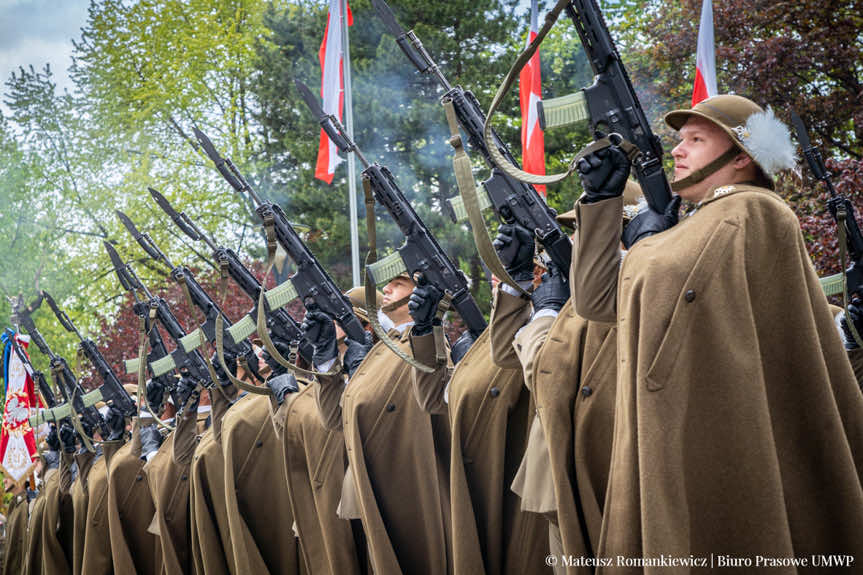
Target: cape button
(494,392)
(586,391)
(689,296)
(391,407)
(139,478)
(259,443)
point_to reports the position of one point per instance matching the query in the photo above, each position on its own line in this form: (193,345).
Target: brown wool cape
(134,549)
(489,410)
(398,457)
(14,555)
(58,521)
(79,508)
(97,558)
(315,463)
(33,556)
(212,552)
(259,509)
(738,422)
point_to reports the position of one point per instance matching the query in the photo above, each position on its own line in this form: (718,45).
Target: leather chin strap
(701,174)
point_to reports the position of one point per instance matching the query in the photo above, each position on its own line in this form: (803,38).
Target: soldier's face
(701,142)
(397,289)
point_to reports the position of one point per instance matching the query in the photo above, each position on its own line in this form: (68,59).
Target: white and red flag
(705,58)
(17,440)
(331,56)
(529,93)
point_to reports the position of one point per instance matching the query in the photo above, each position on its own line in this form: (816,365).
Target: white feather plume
(768,141)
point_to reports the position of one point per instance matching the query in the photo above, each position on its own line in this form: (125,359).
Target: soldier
(59,521)
(732,378)
(84,460)
(46,470)
(396,452)
(489,408)
(16,528)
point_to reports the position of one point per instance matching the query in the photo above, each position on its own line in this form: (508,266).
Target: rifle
(420,252)
(840,207)
(311,281)
(279,321)
(511,199)
(75,399)
(111,390)
(192,361)
(212,312)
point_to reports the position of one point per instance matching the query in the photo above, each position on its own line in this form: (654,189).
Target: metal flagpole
(349,126)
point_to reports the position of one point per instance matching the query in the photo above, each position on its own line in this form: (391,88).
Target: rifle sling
(841,216)
(142,366)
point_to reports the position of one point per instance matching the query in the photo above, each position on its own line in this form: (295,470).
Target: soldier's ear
(742,160)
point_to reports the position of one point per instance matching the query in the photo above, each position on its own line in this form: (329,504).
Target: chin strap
(711,168)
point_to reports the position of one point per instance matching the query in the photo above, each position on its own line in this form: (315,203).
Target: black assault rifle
(112,391)
(420,252)
(199,297)
(512,200)
(191,361)
(312,282)
(279,321)
(75,399)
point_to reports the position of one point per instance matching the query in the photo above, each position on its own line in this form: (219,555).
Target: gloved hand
(116,424)
(52,460)
(603,174)
(553,292)
(230,361)
(67,437)
(185,388)
(253,363)
(461,346)
(155,393)
(151,440)
(515,247)
(422,306)
(321,333)
(284,348)
(855,311)
(282,385)
(356,352)
(52,439)
(648,222)
(88,429)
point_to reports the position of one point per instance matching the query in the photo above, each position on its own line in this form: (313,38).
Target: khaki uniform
(79,507)
(97,558)
(315,464)
(398,457)
(739,423)
(34,526)
(488,411)
(134,549)
(212,552)
(58,521)
(14,553)
(259,509)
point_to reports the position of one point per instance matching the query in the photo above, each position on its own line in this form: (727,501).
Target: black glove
(67,437)
(282,385)
(284,348)
(151,440)
(553,292)
(603,174)
(185,388)
(155,394)
(321,333)
(253,363)
(230,361)
(461,346)
(52,439)
(88,429)
(116,424)
(52,460)
(649,222)
(356,352)
(422,306)
(515,247)
(855,311)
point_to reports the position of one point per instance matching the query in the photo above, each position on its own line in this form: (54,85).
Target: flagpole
(349,126)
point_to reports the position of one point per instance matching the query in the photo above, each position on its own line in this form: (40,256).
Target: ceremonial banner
(705,58)
(17,440)
(332,87)
(529,93)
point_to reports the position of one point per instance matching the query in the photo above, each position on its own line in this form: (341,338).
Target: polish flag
(331,56)
(705,59)
(529,93)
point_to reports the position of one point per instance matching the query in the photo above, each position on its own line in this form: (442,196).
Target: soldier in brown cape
(96,554)
(738,423)
(488,408)
(134,548)
(58,516)
(315,464)
(84,460)
(46,469)
(168,478)
(14,550)
(397,453)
